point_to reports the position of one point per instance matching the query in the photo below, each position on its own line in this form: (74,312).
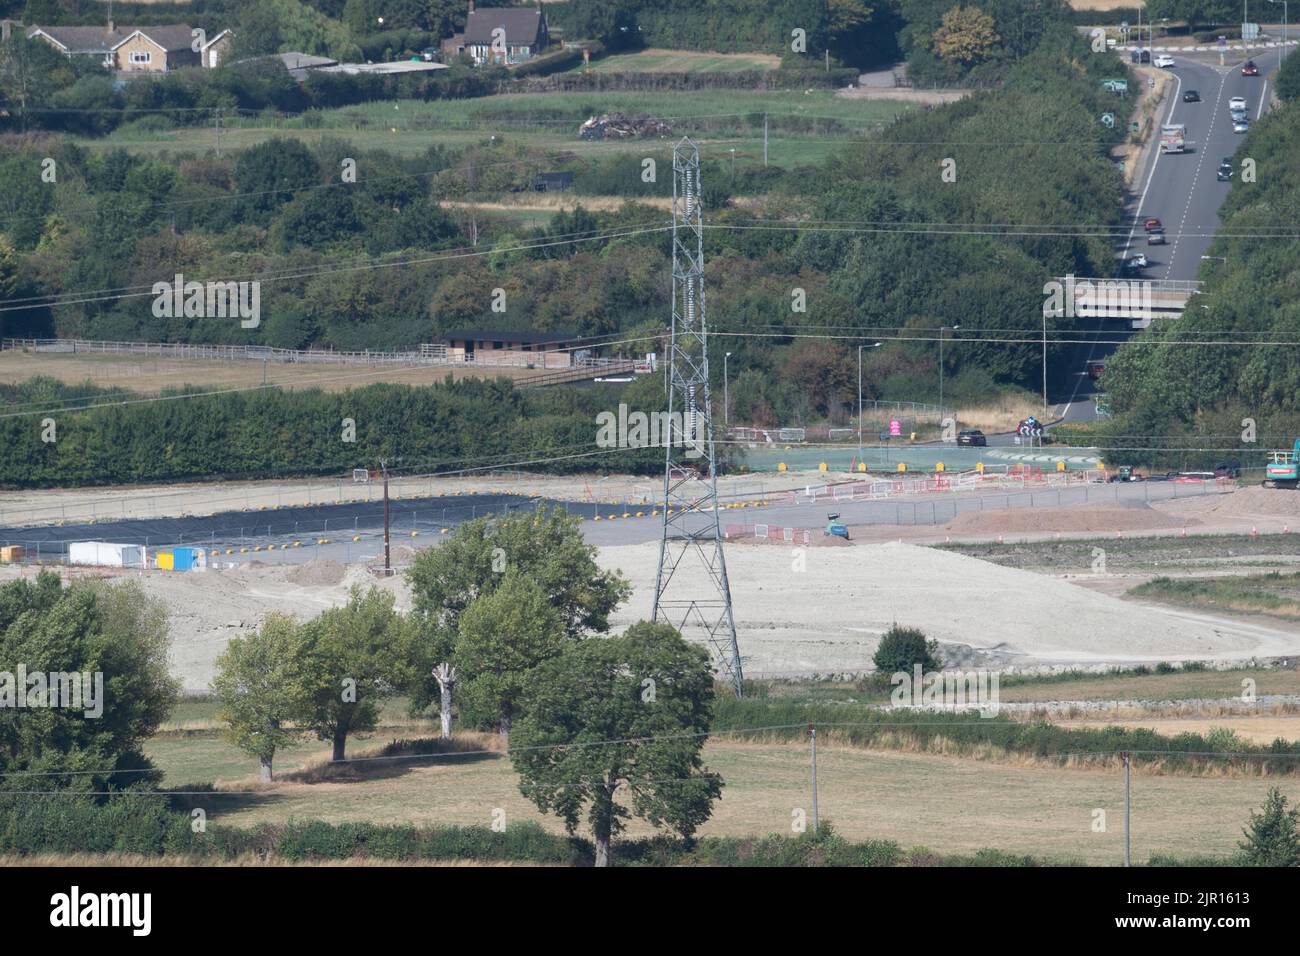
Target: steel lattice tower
(691,590)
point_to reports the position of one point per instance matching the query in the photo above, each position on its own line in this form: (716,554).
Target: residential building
(505,35)
(137,49)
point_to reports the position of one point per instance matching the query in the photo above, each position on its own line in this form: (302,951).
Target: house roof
(81,39)
(171,38)
(522,25)
(103,40)
(503,335)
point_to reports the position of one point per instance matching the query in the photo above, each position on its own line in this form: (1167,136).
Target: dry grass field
(150,375)
(949,804)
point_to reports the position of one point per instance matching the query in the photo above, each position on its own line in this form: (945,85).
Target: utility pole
(388,565)
(1044,360)
(812,735)
(216,121)
(692,592)
(764,140)
(1125,755)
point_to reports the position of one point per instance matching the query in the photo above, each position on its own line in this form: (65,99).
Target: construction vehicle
(1173,138)
(833,527)
(1283,468)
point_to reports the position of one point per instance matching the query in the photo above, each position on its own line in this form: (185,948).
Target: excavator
(1283,468)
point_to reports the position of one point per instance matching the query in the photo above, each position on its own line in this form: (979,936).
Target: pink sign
(895,427)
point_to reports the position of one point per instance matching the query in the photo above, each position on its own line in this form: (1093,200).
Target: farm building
(488,346)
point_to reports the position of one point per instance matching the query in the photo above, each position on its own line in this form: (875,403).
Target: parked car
(1224,172)
(1156,237)
(971,436)
(1241,126)
(1228,469)
(1140,56)
(1190,476)
(1152,223)
(1191,96)
(1237,103)
(1164,61)
(1249,68)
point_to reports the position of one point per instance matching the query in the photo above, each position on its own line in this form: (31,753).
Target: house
(137,49)
(501,347)
(552,182)
(505,35)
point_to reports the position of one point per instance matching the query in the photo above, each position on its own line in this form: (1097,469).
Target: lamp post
(942,329)
(726,400)
(860,348)
(1285,20)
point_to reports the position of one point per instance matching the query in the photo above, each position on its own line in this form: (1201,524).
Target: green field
(681,61)
(804,127)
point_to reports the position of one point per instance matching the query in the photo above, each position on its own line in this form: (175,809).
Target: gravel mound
(316,573)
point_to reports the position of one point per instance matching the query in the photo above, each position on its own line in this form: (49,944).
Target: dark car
(1249,68)
(1191,96)
(1142,56)
(1224,172)
(1156,237)
(971,436)
(1228,469)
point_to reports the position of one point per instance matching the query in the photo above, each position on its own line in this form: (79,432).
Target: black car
(1140,57)
(1224,172)
(1191,96)
(971,436)
(1228,469)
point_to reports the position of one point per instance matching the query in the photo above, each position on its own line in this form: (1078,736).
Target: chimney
(471,6)
(110,25)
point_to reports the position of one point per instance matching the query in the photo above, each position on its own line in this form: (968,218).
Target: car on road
(1095,370)
(971,436)
(1140,56)
(1189,476)
(1238,115)
(1191,96)
(1237,103)
(1224,172)
(1249,68)
(1164,61)
(1241,126)
(1135,262)
(1152,223)
(1156,237)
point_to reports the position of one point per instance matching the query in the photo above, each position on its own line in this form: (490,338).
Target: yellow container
(165,559)
(11,554)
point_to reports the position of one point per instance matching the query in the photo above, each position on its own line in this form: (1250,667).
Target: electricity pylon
(691,590)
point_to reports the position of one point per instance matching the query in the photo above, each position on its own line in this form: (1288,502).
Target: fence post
(1125,755)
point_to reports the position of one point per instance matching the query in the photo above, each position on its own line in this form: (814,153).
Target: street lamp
(860,348)
(726,401)
(942,329)
(1285,20)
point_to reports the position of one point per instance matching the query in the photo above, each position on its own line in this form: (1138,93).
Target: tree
(546,547)
(628,713)
(1273,836)
(504,634)
(966,36)
(347,665)
(254,688)
(101,652)
(902,648)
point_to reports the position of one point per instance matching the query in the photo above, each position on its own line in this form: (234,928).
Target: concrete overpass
(1137,301)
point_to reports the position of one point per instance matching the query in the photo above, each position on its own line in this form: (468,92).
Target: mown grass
(1274,594)
(804,127)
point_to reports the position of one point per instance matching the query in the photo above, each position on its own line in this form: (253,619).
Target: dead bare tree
(445,675)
